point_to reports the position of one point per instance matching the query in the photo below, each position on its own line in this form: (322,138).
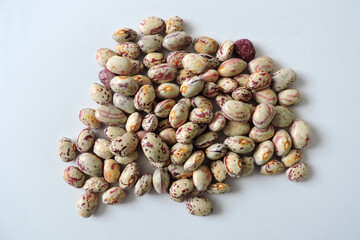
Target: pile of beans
(171,116)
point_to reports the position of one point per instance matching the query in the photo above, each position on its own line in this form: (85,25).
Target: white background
(47,63)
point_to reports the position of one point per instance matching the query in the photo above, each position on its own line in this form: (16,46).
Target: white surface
(47,64)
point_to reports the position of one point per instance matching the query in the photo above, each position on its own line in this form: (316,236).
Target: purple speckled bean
(210,75)
(150,122)
(282,142)
(123,85)
(87,204)
(154,148)
(216,151)
(297,173)
(124,145)
(263,64)
(233,164)
(187,132)
(105,77)
(175,58)
(143,185)
(85,140)
(96,185)
(263,115)
(272,167)
(163,108)
(258,81)
(113,196)
(199,206)
(177,41)
(226,85)
(150,43)
(73,176)
(174,24)
(181,188)
(218,123)
(201,115)
(206,45)
(263,152)
(194,63)
(161,180)
(261,135)
(265,96)
(210,90)
(289,97)
(66,149)
(180,152)
(162,73)
(110,115)
(240,144)
(124,35)
(144,98)
(283,79)
(151,25)
(103,55)
(202,178)
(236,111)
(225,50)
(90,164)
(128,50)
(283,117)
(222,98)
(242,94)
(300,133)
(129,176)
(153,59)
(231,67)
(218,170)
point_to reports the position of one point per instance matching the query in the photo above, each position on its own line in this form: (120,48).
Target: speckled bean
(263,152)
(212,61)
(216,151)
(205,140)
(87,117)
(144,98)
(265,96)
(161,180)
(163,108)
(297,172)
(187,132)
(175,58)
(218,170)
(231,67)
(128,50)
(283,79)
(150,122)
(136,67)
(283,117)
(150,43)
(95,185)
(194,161)
(169,136)
(258,81)
(142,80)
(293,157)
(167,90)
(162,73)
(127,159)
(242,94)
(180,152)
(124,103)
(201,102)
(236,111)
(282,142)
(192,86)
(183,75)
(123,85)
(119,65)
(206,45)
(124,35)
(181,188)
(261,135)
(66,149)
(129,176)
(102,148)
(103,55)
(242,79)
(218,188)
(112,132)
(124,145)
(263,115)
(155,148)
(234,128)
(87,204)
(210,75)
(85,140)
(151,25)
(222,98)
(289,97)
(210,90)
(143,185)
(73,176)
(272,167)
(199,206)
(240,144)
(201,130)
(225,50)
(194,63)
(226,85)
(100,94)
(201,115)
(105,77)
(177,41)
(218,123)
(90,164)
(110,115)
(300,133)
(113,196)
(133,122)
(248,166)
(177,171)
(264,64)
(233,164)
(153,59)
(111,170)
(174,24)
(202,178)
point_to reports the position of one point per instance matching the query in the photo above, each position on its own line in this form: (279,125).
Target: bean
(100,94)
(202,178)
(199,206)
(261,135)
(174,24)
(110,115)
(90,164)
(248,166)
(264,64)
(113,195)
(218,170)
(85,140)
(112,132)
(161,180)
(162,73)
(218,123)
(194,63)
(177,41)
(231,67)
(103,55)
(297,172)
(66,149)
(263,152)
(87,204)
(300,133)
(124,145)
(124,35)
(128,50)
(123,85)
(151,25)
(240,144)
(289,97)
(272,167)
(282,142)
(233,164)
(95,185)
(180,152)
(294,156)
(155,148)
(129,176)
(87,117)
(218,188)
(143,185)
(111,170)
(283,79)
(225,50)
(245,49)
(153,59)
(167,90)
(119,65)
(102,148)
(73,176)
(175,58)
(150,43)
(206,45)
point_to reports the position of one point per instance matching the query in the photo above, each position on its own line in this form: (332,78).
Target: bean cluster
(176,115)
